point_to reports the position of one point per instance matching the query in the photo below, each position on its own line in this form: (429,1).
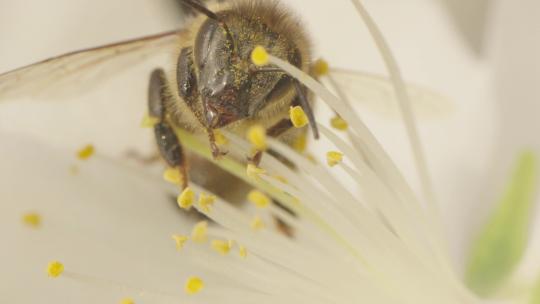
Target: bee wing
(376,93)
(76,71)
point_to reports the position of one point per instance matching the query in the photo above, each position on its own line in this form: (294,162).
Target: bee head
(230,85)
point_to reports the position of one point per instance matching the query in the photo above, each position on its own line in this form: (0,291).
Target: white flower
(362,237)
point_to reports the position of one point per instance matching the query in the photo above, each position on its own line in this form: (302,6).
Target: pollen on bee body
(257,136)
(298,117)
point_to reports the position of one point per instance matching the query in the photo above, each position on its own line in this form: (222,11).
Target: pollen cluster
(186,198)
(55,269)
(298,117)
(194,285)
(86,152)
(259,56)
(257,136)
(259,199)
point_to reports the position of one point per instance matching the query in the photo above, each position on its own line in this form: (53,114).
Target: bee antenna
(307,108)
(196,5)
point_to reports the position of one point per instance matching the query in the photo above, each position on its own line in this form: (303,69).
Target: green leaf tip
(535,299)
(500,245)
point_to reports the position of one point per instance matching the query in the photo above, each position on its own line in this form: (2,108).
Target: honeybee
(212,83)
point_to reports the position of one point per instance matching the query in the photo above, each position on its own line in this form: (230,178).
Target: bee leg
(168,143)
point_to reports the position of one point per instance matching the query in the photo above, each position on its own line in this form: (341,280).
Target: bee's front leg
(168,143)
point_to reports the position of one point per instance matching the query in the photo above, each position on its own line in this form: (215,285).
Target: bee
(216,86)
(212,83)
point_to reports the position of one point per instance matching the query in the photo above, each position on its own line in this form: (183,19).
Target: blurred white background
(481,55)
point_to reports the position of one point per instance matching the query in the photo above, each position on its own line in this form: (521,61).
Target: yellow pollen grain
(259,199)
(32,219)
(320,68)
(257,136)
(257,223)
(242,251)
(259,56)
(333,158)
(194,285)
(206,202)
(180,241)
(55,269)
(127,301)
(86,152)
(300,143)
(281,179)
(222,247)
(149,121)
(199,232)
(339,123)
(186,198)
(173,176)
(220,138)
(253,171)
(298,117)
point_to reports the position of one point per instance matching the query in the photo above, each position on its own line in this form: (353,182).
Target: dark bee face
(230,86)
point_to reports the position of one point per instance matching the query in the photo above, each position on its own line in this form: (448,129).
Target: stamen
(300,143)
(259,199)
(257,136)
(194,285)
(242,251)
(200,232)
(339,123)
(86,152)
(333,158)
(180,241)
(55,269)
(320,68)
(259,56)
(298,117)
(32,219)
(127,301)
(257,223)
(253,171)
(149,121)
(206,202)
(186,198)
(173,176)
(222,247)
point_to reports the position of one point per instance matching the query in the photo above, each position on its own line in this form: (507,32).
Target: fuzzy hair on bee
(252,23)
(215,85)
